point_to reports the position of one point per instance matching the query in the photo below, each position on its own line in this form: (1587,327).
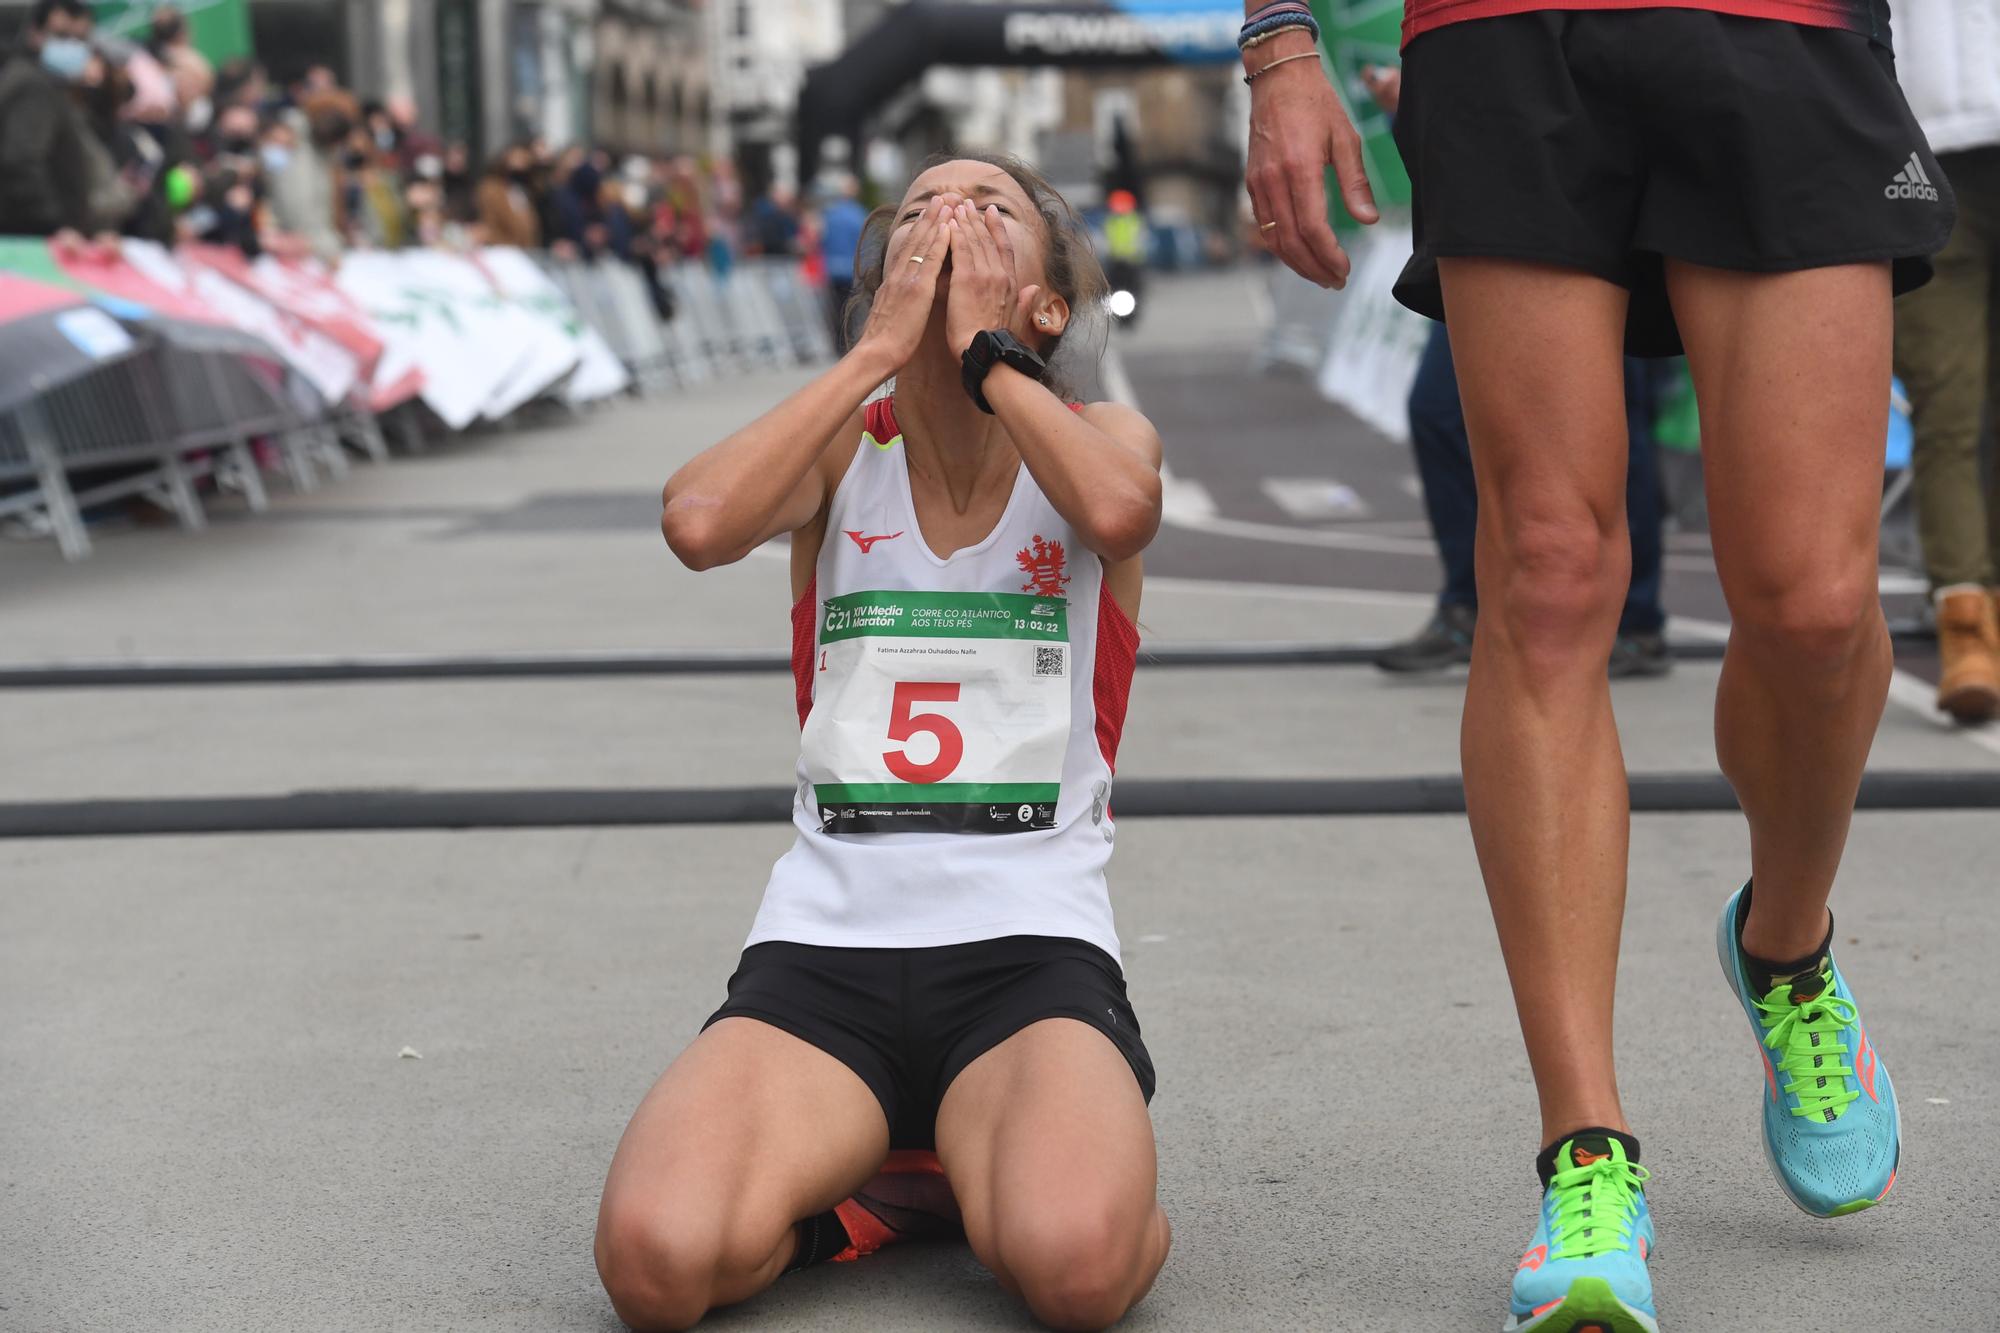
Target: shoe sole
(1589,1307)
(1725,954)
(1971,703)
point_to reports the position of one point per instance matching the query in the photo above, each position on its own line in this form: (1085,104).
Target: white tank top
(960,723)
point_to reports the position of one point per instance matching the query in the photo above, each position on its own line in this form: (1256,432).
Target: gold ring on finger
(1266,226)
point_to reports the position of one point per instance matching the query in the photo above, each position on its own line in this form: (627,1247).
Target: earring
(1042,320)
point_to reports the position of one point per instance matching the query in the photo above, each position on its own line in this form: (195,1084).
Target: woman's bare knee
(1811,627)
(665,1272)
(659,1272)
(1082,1267)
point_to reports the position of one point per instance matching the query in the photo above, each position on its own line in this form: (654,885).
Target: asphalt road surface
(371,1080)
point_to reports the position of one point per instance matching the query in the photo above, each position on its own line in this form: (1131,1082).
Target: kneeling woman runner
(934,965)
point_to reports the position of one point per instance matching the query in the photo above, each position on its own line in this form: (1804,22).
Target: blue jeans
(1451,500)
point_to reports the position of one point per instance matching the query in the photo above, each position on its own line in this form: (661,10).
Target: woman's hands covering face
(985,293)
(902,307)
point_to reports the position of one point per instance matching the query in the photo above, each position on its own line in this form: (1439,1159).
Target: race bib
(939,712)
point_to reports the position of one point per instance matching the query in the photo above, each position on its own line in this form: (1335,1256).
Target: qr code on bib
(1049,660)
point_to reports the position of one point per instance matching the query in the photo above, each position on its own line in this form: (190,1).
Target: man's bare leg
(1539,357)
(1792,374)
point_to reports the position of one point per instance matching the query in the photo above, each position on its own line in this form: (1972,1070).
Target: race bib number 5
(939,712)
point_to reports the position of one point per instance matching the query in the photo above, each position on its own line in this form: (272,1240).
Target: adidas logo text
(1910,183)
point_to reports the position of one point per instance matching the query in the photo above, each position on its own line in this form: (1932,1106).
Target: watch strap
(992,347)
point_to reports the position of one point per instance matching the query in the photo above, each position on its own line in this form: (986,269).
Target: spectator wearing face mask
(232,187)
(304,188)
(44,167)
(277,145)
(372,195)
(135,115)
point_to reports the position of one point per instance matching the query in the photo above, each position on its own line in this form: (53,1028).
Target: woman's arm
(767,478)
(1100,467)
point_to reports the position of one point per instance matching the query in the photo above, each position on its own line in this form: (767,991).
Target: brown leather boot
(1969,654)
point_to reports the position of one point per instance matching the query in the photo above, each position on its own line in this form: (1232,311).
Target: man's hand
(1297,128)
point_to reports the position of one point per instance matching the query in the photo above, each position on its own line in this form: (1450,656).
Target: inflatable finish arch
(838,96)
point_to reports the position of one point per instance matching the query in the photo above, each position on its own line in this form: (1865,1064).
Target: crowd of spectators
(102,136)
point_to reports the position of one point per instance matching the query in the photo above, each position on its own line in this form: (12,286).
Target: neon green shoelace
(1810,1038)
(1594,1208)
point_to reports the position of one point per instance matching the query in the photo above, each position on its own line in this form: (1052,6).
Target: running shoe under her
(1831,1128)
(1585,1270)
(909,1199)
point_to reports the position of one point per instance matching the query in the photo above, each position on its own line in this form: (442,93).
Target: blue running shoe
(1586,1267)
(1831,1128)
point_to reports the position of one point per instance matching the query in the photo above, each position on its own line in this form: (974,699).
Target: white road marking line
(1901,581)
(1111,373)
(1316,498)
(1183,502)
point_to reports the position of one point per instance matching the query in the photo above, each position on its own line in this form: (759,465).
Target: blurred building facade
(483,71)
(653,80)
(759,53)
(633,75)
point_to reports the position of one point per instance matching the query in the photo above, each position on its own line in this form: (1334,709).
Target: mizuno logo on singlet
(1910,183)
(867,544)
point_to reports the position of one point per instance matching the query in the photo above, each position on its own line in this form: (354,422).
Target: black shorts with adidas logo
(1606,140)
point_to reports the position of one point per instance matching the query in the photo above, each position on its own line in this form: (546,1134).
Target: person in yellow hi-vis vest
(1127,240)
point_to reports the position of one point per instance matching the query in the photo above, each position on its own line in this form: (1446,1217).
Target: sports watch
(992,347)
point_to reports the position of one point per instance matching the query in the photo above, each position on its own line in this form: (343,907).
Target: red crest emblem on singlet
(1043,564)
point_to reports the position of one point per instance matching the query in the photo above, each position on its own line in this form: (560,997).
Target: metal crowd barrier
(153,424)
(611,298)
(196,401)
(763,315)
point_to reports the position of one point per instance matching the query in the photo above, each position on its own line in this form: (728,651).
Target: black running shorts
(908,1021)
(1605,140)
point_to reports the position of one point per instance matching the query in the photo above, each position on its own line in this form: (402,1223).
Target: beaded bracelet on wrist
(1265,25)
